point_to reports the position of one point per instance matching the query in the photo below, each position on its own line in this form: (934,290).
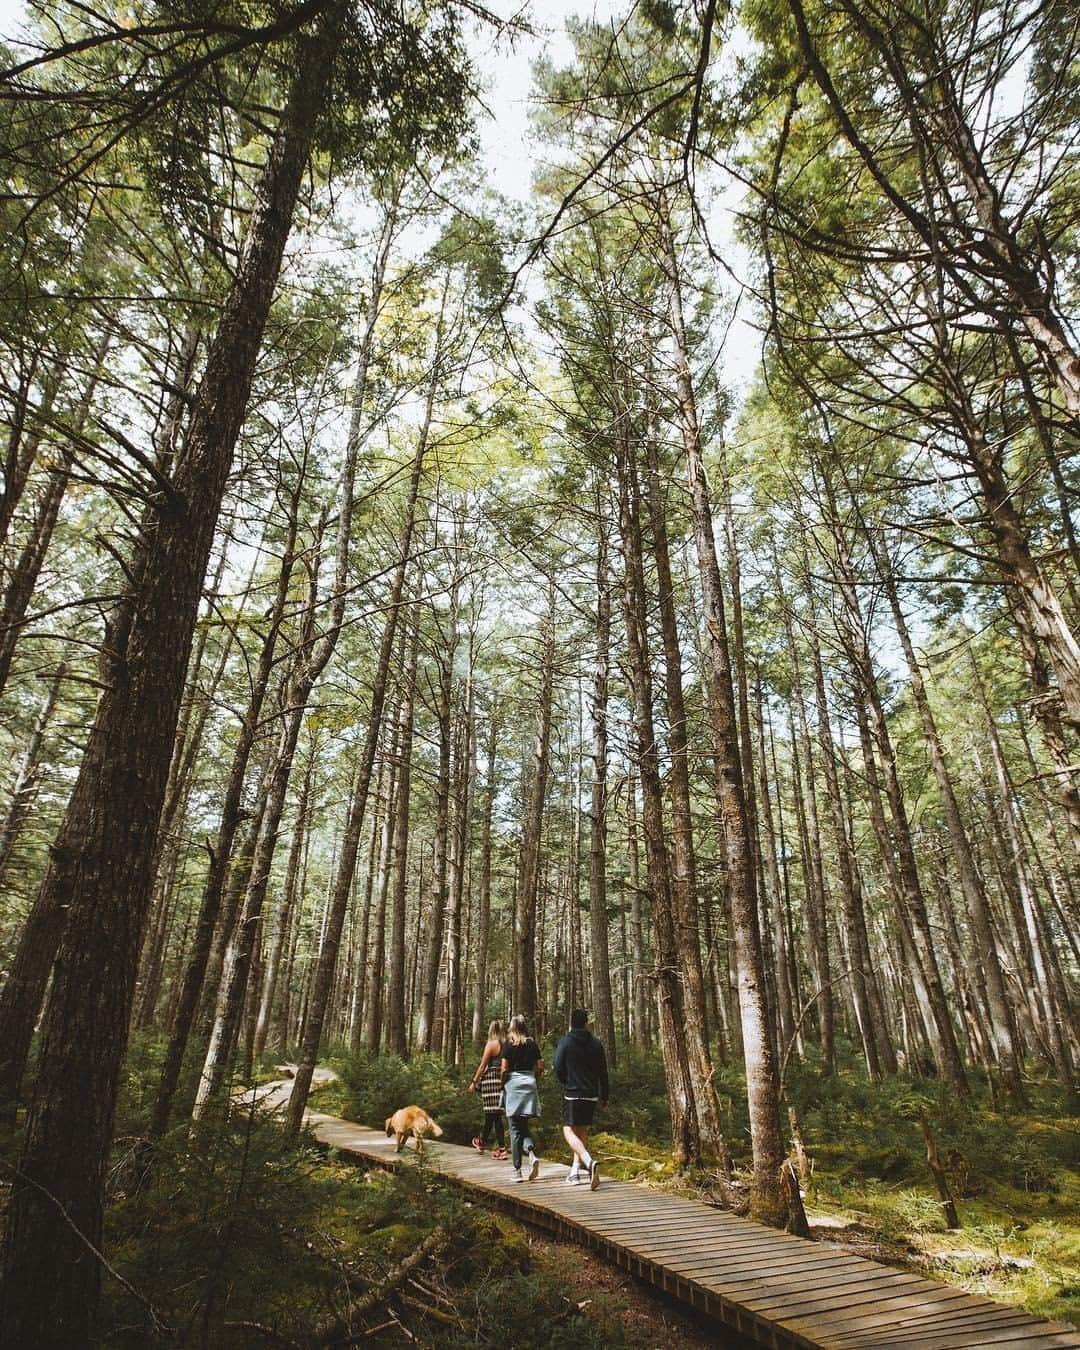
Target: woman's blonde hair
(495,1030)
(518,1032)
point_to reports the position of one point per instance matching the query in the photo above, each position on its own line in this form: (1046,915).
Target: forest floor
(602,1293)
(1030,1262)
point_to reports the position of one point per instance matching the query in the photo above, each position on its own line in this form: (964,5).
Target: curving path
(780,1291)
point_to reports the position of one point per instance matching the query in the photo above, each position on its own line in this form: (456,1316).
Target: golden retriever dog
(411,1121)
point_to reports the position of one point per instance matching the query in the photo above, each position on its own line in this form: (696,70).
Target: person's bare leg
(577,1136)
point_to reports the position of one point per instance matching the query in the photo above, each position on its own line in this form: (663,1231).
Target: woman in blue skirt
(521,1067)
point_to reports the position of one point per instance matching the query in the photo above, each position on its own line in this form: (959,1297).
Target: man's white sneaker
(594,1175)
(573,1178)
(534,1166)
(517,1174)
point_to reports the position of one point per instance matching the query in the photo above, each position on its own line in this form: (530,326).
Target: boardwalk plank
(873,1295)
(882,1313)
(967,1326)
(841,1286)
(1013,1338)
(699,1265)
(915,1326)
(750,1252)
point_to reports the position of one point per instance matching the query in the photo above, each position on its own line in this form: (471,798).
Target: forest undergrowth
(240,1236)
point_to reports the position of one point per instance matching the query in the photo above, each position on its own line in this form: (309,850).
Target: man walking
(581,1067)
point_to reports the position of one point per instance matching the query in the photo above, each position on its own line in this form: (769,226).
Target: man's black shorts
(577,1112)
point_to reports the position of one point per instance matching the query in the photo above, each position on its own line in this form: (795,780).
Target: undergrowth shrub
(867,1131)
(519,1309)
(375,1086)
(638,1108)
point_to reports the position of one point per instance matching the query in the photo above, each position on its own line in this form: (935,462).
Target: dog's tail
(436,1128)
(389,1128)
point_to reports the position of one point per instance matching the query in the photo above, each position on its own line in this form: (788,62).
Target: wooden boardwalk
(777,1290)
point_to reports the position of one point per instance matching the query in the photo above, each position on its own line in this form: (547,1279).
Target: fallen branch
(268,1332)
(342,1327)
(429,1310)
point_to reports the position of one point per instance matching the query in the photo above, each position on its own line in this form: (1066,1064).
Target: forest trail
(780,1291)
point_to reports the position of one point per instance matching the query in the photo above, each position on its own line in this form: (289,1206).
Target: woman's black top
(521,1058)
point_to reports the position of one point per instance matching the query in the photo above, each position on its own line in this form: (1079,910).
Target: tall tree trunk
(769,1201)
(875,997)
(526,995)
(854,638)
(774,891)
(642,1030)
(396,1029)
(818,906)
(243,940)
(457,894)
(23,794)
(916,981)
(483,915)
(1046,704)
(603,1010)
(681,853)
(1053,1006)
(746,740)
(427,1000)
(685,1140)
(971,882)
(324,973)
(26,424)
(851,897)
(283,918)
(19,584)
(372,952)
(1038,600)
(194,715)
(101,860)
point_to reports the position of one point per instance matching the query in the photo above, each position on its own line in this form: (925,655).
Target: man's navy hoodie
(581,1065)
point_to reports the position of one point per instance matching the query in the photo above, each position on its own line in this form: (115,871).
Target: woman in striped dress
(488,1081)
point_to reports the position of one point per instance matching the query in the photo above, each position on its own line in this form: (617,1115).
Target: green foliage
(870,1131)
(375,1086)
(638,1108)
(474,244)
